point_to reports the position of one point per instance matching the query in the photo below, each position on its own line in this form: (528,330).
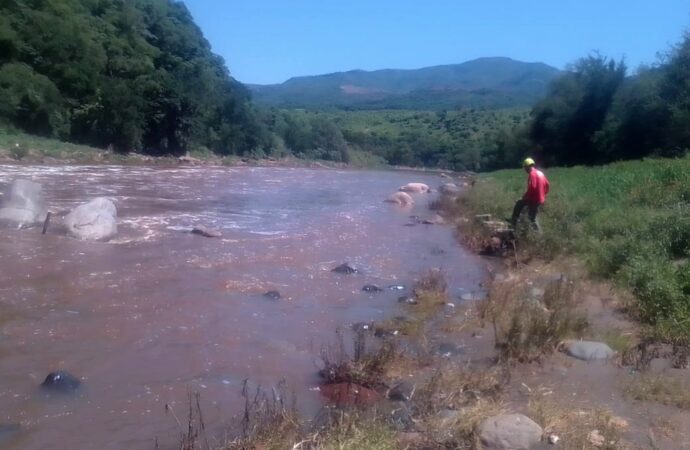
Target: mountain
(484,82)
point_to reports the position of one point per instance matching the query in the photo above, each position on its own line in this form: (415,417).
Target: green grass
(629,221)
(20,145)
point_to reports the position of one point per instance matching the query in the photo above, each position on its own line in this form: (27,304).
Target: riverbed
(158,312)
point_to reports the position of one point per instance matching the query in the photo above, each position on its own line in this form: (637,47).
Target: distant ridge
(485,82)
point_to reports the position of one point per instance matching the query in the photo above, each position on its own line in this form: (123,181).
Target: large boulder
(509,431)
(400,198)
(415,188)
(449,189)
(93,221)
(588,350)
(24,203)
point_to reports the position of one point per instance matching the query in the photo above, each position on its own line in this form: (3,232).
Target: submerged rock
(93,221)
(61,381)
(346,269)
(371,288)
(588,350)
(408,300)
(509,431)
(396,287)
(400,198)
(273,295)
(206,232)
(24,203)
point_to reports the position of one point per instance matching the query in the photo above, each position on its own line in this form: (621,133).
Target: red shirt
(537,187)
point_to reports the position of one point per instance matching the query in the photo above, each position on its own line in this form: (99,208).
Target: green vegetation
(480,83)
(131,75)
(630,221)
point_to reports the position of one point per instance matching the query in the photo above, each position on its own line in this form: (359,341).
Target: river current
(158,312)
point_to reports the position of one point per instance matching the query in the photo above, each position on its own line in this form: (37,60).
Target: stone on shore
(24,203)
(400,198)
(588,350)
(93,221)
(509,431)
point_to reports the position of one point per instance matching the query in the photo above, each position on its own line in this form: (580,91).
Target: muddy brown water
(159,312)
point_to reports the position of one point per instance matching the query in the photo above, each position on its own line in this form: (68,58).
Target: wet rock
(396,287)
(400,198)
(509,431)
(61,381)
(436,251)
(24,203)
(345,269)
(349,394)
(402,392)
(371,288)
(448,349)
(588,350)
(206,232)
(408,300)
(361,327)
(449,189)
(273,295)
(467,297)
(93,221)
(415,188)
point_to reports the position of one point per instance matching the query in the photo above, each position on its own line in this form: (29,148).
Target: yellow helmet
(528,162)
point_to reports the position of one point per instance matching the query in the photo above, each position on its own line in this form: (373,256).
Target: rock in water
(400,198)
(588,350)
(371,288)
(206,232)
(93,221)
(273,295)
(509,431)
(415,188)
(61,381)
(346,269)
(449,188)
(24,203)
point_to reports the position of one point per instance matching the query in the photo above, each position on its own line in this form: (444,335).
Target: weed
(660,389)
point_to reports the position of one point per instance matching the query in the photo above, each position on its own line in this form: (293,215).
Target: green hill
(484,82)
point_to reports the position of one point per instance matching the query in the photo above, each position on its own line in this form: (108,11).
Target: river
(159,312)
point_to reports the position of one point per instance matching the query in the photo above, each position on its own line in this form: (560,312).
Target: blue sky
(269,41)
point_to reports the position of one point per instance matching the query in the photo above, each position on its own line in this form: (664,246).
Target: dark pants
(532,210)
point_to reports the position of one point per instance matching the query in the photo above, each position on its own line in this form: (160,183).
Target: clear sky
(269,41)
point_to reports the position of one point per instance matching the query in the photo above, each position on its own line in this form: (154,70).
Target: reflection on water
(159,311)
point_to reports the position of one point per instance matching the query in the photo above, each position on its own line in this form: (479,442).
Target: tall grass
(630,221)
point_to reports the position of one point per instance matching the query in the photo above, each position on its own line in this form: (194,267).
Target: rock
(61,381)
(400,198)
(345,269)
(408,300)
(24,203)
(402,392)
(93,221)
(349,394)
(536,293)
(371,288)
(449,189)
(467,297)
(396,287)
(596,439)
(206,232)
(509,431)
(273,295)
(588,350)
(360,327)
(415,188)
(401,418)
(553,439)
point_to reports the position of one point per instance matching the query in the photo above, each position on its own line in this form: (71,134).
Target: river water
(159,312)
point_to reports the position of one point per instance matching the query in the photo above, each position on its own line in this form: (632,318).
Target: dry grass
(577,429)
(524,328)
(431,292)
(660,389)
(352,431)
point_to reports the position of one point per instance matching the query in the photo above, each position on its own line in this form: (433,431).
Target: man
(537,188)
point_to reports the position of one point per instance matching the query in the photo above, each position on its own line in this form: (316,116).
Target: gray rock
(24,203)
(509,431)
(408,300)
(402,392)
(588,350)
(401,418)
(206,232)
(61,381)
(449,188)
(536,292)
(273,295)
(396,287)
(93,221)
(345,269)
(371,288)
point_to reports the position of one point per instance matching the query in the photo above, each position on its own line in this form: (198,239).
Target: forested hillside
(484,82)
(130,74)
